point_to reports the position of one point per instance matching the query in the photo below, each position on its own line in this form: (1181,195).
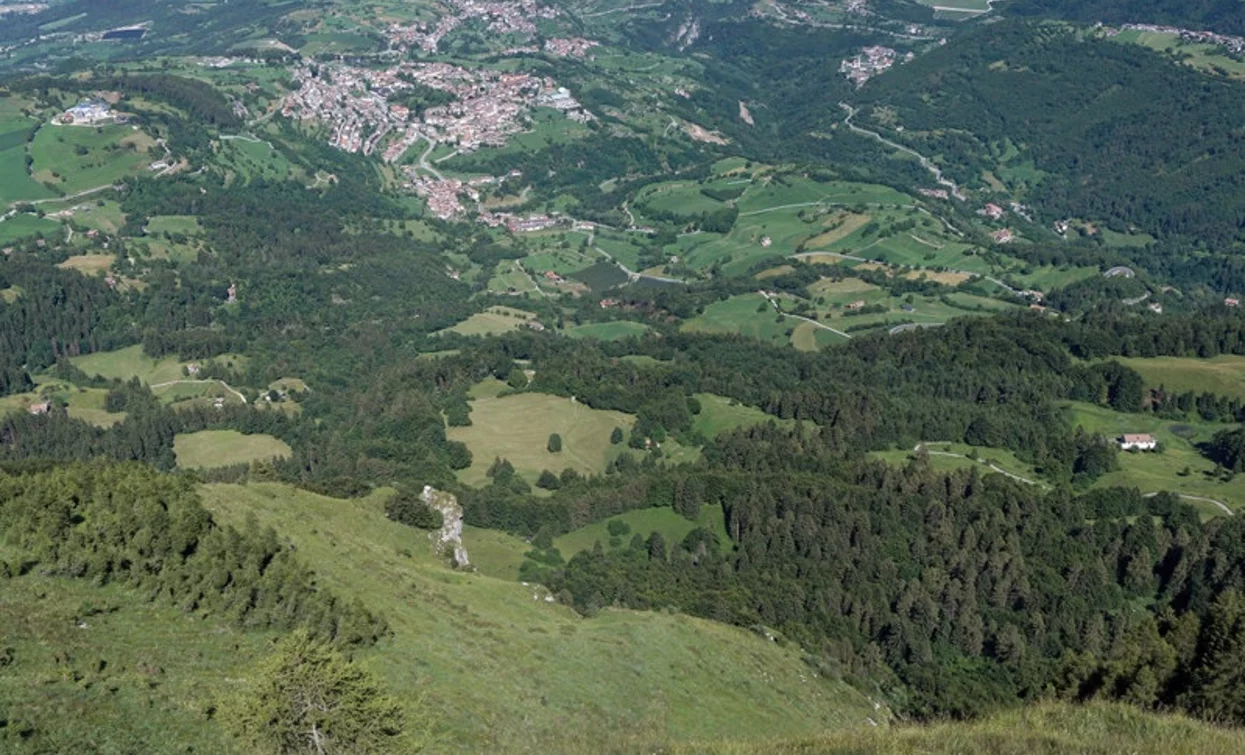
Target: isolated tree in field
(555,444)
(616,436)
(308,698)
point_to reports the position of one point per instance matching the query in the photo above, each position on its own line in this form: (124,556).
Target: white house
(1138,441)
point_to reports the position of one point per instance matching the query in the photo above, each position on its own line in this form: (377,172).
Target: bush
(555,444)
(616,436)
(617,527)
(410,510)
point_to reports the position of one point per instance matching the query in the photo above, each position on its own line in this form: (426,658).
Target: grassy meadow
(518,427)
(223,448)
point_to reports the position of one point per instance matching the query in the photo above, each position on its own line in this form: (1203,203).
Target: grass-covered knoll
(719,414)
(608,331)
(672,526)
(503,672)
(108,666)
(1222,375)
(1178,468)
(222,448)
(1040,729)
(518,427)
(492,321)
(73,159)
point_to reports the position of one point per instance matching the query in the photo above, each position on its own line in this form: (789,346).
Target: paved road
(925,161)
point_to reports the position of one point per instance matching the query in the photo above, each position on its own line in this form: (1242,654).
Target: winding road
(925,161)
(1220,504)
(778,309)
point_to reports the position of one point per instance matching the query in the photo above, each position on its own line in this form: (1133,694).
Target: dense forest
(974,593)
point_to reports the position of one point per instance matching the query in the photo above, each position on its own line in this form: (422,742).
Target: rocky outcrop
(448,541)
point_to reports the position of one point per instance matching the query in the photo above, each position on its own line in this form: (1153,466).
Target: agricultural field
(223,448)
(73,159)
(1223,375)
(518,427)
(607,331)
(491,647)
(1178,467)
(492,321)
(778,215)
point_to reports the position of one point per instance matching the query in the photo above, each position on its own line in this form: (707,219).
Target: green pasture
(222,448)
(518,427)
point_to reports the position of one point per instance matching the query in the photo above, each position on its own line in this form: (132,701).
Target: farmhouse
(852,307)
(41,407)
(1137,441)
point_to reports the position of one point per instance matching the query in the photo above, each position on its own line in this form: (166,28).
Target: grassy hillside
(1047,729)
(505,671)
(105,665)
